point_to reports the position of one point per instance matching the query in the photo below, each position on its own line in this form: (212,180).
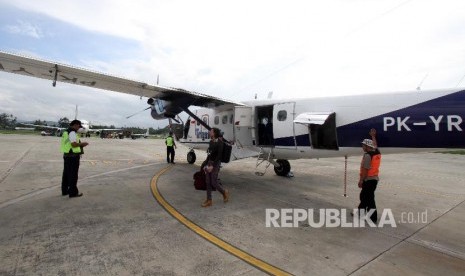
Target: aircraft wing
(44,126)
(57,72)
(103,129)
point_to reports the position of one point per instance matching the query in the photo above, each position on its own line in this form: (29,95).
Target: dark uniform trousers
(367,198)
(70,175)
(169,154)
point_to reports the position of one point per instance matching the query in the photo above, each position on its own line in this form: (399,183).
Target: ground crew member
(72,148)
(170,146)
(369,169)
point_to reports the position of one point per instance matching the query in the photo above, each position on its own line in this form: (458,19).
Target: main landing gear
(284,167)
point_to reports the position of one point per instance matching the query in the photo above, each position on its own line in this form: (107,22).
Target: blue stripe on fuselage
(414,126)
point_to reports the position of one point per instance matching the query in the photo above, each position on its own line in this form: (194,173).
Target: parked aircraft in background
(58,131)
(275,131)
(24,128)
(139,135)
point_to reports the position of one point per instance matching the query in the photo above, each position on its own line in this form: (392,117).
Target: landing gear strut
(191,157)
(284,167)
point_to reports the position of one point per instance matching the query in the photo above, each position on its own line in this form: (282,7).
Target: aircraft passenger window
(282,115)
(217,120)
(231,119)
(224,120)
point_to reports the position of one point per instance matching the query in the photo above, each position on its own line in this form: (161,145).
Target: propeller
(138,112)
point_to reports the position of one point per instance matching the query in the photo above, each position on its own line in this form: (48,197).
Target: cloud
(24,28)
(236,49)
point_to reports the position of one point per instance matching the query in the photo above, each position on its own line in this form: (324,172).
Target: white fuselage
(335,126)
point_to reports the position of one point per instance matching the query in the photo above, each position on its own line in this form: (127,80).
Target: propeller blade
(138,112)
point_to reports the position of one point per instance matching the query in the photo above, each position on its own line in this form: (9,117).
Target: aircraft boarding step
(263,157)
(241,153)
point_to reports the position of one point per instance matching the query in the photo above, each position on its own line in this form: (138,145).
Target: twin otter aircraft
(275,131)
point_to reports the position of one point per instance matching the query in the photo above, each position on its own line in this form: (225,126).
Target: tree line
(9,121)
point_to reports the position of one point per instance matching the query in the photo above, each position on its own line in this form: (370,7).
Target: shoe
(207,203)
(63,194)
(173,162)
(78,195)
(226,196)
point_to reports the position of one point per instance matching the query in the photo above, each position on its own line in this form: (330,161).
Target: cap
(74,122)
(368,142)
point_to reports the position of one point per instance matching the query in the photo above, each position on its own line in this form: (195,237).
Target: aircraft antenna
(421,82)
(138,112)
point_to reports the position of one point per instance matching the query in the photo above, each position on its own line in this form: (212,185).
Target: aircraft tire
(191,157)
(284,169)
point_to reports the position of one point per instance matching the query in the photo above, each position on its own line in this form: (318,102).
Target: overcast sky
(231,49)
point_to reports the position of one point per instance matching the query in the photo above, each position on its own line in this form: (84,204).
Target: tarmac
(142,216)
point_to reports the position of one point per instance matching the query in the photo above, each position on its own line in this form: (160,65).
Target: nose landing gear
(191,157)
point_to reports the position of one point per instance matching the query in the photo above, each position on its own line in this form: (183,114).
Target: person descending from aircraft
(212,166)
(72,149)
(170,146)
(369,170)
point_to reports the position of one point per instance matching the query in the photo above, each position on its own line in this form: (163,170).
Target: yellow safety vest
(169,141)
(66,146)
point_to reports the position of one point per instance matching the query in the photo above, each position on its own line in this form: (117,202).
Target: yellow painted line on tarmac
(265,267)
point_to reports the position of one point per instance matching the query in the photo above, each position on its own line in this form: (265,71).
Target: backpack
(226,154)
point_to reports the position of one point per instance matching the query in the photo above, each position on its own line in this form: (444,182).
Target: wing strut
(196,118)
(56,76)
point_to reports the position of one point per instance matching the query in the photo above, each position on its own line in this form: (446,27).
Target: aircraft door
(283,125)
(243,127)
(322,129)
(201,133)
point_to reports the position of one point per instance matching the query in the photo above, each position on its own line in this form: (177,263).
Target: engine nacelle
(158,107)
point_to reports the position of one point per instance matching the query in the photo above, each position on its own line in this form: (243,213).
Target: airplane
(276,131)
(24,128)
(58,131)
(144,135)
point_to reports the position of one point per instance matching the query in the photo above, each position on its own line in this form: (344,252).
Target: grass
(458,151)
(21,132)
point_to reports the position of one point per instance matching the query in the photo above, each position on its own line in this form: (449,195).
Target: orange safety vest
(374,165)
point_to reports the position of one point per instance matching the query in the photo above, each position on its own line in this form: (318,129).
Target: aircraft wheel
(191,157)
(284,169)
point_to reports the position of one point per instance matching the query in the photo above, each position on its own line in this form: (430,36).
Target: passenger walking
(212,167)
